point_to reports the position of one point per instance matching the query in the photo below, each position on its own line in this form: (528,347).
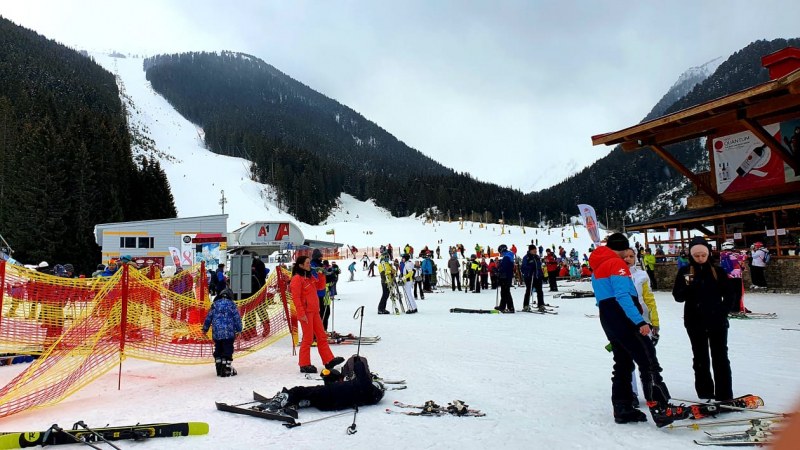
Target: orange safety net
(83,328)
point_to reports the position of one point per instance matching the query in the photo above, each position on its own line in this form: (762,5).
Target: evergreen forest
(65,154)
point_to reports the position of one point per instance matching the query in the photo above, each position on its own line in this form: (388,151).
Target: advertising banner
(743,162)
(590,220)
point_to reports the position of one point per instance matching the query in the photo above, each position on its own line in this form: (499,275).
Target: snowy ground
(542,380)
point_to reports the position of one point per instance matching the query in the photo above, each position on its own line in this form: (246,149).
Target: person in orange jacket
(304,295)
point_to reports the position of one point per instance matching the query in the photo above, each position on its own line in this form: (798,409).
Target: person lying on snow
(354,386)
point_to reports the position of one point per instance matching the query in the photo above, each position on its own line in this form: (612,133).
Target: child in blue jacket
(224,319)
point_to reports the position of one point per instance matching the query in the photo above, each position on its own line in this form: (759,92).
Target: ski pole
(83,425)
(57,429)
(735,408)
(297,424)
(358,314)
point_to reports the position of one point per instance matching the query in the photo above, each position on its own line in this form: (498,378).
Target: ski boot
(229,370)
(626,414)
(334,362)
(308,369)
(542,308)
(666,413)
(220,367)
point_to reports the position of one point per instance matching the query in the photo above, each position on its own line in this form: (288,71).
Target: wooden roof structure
(748,110)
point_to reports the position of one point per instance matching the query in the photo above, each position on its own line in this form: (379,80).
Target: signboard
(737,236)
(743,162)
(240,274)
(268,234)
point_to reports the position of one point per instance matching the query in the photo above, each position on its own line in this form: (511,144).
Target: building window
(146,242)
(127,242)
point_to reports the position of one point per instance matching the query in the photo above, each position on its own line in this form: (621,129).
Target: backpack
(349,368)
(726,264)
(766,256)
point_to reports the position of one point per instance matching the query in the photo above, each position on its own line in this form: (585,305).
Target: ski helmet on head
(502,247)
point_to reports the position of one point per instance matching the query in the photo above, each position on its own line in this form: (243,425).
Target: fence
(83,328)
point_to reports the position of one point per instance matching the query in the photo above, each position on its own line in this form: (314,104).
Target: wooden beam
(771,142)
(703,230)
(772,88)
(660,151)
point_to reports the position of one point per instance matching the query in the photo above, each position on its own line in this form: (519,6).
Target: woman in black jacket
(702,288)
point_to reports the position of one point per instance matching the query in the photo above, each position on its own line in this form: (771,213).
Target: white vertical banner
(187,250)
(590,220)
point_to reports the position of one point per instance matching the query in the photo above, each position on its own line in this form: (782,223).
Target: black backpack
(349,368)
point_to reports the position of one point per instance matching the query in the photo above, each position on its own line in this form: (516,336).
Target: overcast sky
(509,91)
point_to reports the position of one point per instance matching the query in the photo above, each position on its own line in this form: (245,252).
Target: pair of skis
(351,339)
(256,408)
(548,309)
(574,294)
(754,436)
(752,315)
(83,434)
(431,409)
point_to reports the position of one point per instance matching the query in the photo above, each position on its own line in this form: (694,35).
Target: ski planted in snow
(59,436)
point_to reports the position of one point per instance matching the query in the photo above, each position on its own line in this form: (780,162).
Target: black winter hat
(618,242)
(316,254)
(698,240)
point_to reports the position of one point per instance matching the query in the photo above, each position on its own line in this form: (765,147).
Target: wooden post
(774,227)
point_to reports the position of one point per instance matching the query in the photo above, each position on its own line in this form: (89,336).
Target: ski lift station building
(192,239)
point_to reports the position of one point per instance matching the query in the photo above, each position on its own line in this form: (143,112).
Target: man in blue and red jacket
(628,334)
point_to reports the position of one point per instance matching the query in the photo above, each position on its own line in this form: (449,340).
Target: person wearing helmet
(505,274)
(225,322)
(759,265)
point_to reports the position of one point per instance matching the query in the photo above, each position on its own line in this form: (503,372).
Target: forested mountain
(65,153)
(621,180)
(311,148)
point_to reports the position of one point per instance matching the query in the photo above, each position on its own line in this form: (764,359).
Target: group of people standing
(629,318)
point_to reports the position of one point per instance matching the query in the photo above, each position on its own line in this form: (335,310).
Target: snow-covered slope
(197,176)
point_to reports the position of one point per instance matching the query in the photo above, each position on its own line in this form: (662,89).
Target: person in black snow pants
(225,322)
(352,387)
(629,336)
(703,289)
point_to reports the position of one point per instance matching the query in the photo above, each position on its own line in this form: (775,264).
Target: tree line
(65,153)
